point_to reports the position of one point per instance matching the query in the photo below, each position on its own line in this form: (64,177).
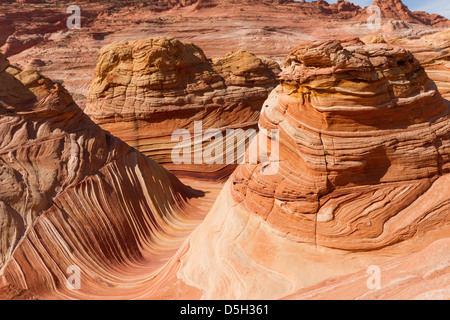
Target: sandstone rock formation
(265,28)
(394,9)
(6,28)
(363,170)
(27,20)
(363,177)
(438,65)
(439,70)
(72,193)
(433,53)
(420,276)
(350,114)
(14,45)
(144,90)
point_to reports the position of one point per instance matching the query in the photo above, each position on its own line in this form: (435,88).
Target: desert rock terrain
(361,174)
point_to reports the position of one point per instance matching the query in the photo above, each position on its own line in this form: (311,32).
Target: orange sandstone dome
(364,134)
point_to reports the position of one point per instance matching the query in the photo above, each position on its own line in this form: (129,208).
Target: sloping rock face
(424,275)
(144,90)
(363,174)
(74,195)
(439,70)
(431,19)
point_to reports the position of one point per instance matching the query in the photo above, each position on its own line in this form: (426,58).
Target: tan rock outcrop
(144,90)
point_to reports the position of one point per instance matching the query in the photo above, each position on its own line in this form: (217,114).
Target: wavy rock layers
(145,90)
(424,275)
(433,53)
(363,175)
(12,227)
(72,195)
(361,127)
(438,67)
(439,71)
(363,179)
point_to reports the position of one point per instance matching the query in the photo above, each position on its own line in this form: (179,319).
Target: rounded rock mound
(145,90)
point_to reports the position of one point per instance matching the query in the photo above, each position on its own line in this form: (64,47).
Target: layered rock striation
(362,178)
(145,90)
(437,64)
(73,195)
(358,124)
(364,162)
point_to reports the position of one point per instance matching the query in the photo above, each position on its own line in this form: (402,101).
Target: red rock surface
(363,180)
(265,28)
(6,28)
(396,10)
(72,191)
(364,162)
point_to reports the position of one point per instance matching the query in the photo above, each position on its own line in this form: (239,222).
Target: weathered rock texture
(432,51)
(363,179)
(144,90)
(265,28)
(360,124)
(72,194)
(438,65)
(424,275)
(364,173)
(6,28)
